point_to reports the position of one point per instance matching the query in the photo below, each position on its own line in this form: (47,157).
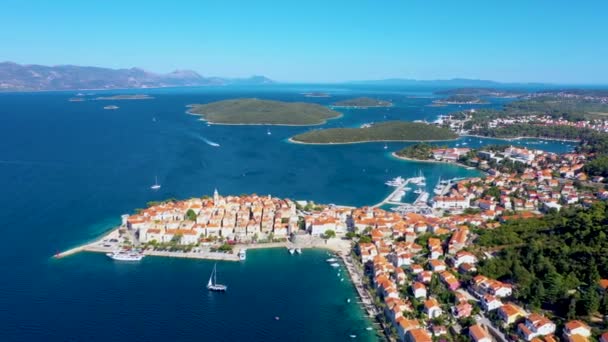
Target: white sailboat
(156,186)
(385,146)
(212,284)
(268,132)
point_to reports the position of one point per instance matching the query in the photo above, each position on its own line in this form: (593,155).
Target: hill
(17,77)
(385,131)
(259,112)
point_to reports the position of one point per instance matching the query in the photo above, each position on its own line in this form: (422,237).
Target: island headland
(384,131)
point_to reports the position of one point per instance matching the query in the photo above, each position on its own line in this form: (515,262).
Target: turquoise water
(70,169)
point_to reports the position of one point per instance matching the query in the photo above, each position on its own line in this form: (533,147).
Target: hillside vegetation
(386,131)
(255,111)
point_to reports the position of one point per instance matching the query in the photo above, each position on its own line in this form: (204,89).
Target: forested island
(263,112)
(362,102)
(385,131)
(460,99)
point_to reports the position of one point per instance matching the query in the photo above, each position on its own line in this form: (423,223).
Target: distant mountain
(17,77)
(455,82)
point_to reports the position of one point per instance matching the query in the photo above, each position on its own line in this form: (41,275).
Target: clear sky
(555,41)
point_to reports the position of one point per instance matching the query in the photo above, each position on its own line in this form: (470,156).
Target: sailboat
(268,132)
(385,146)
(156,186)
(212,284)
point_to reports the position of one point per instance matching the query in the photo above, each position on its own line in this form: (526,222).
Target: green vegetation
(385,131)
(258,112)
(329,234)
(419,151)
(531,130)
(363,102)
(481,92)
(191,215)
(555,261)
(460,99)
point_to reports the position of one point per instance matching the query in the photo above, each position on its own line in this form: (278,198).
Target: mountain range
(18,77)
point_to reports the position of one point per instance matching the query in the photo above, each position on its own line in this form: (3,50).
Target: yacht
(242,254)
(418,191)
(156,186)
(125,255)
(212,284)
(291,251)
(330,260)
(398,181)
(299,250)
(334,264)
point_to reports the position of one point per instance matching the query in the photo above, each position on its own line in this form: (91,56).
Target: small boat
(110,107)
(125,255)
(299,250)
(348,300)
(243,254)
(385,146)
(212,284)
(268,132)
(334,264)
(369,328)
(330,260)
(156,186)
(353,336)
(291,251)
(418,191)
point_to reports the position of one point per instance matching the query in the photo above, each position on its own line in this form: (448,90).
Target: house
(576,327)
(535,325)
(418,335)
(462,310)
(478,334)
(432,308)
(405,325)
(509,313)
(464,257)
(419,290)
(437,265)
(489,302)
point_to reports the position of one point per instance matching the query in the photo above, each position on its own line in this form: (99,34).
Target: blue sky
(554,41)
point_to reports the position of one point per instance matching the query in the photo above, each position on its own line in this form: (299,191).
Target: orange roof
(419,335)
(604,283)
(477,332)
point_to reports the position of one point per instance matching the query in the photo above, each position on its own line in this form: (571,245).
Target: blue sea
(69,169)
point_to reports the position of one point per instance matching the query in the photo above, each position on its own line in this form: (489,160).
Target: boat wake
(210,143)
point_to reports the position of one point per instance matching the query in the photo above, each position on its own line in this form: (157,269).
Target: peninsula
(263,112)
(460,99)
(385,131)
(362,102)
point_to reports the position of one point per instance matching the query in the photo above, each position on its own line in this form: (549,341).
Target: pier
(387,200)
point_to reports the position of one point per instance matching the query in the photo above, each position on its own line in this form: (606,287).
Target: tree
(191,215)
(590,301)
(329,234)
(365,239)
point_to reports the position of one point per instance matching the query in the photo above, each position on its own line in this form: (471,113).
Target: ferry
(125,255)
(242,254)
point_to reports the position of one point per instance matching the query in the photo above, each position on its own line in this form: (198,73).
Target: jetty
(388,199)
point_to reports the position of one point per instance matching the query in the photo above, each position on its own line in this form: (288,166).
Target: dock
(387,200)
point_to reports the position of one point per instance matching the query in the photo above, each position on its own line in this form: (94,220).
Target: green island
(362,102)
(460,99)
(263,112)
(385,131)
(125,97)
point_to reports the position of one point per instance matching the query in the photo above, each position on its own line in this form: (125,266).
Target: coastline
(519,138)
(394,154)
(363,141)
(202,118)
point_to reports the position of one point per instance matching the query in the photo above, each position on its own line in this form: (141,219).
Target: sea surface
(68,170)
